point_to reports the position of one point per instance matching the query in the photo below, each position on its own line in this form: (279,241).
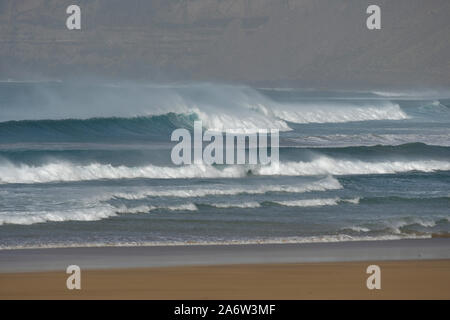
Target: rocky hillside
(305,43)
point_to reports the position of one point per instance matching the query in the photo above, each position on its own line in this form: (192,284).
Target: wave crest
(329,166)
(328,183)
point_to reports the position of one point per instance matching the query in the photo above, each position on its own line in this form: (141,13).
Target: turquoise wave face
(152,128)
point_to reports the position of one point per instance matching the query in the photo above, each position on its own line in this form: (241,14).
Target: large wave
(220,107)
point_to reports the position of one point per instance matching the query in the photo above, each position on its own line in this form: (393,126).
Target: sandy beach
(345,280)
(410,269)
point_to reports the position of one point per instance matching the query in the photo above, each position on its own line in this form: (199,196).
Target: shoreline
(54,259)
(410,269)
(281,241)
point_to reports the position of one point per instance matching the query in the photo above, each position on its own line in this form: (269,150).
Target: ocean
(85,164)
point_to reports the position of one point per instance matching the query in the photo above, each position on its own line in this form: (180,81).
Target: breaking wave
(243,205)
(220,107)
(314,202)
(397,226)
(84,214)
(337,113)
(326,165)
(145,209)
(65,171)
(55,172)
(328,183)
